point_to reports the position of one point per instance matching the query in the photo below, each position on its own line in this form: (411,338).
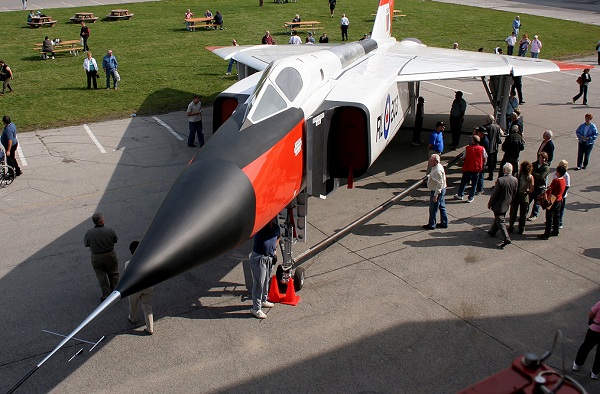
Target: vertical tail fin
(383,20)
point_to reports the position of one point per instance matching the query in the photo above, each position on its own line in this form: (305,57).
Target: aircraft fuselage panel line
(166,126)
(94,139)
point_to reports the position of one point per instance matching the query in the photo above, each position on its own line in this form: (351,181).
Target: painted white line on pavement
(21,155)
(445,87)
(166,126)
(93,137)
(97,2)
(68,5)
(535,79)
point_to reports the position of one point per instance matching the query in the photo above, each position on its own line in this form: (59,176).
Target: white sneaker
(258,314)
(268,304)
(469,200)
(593,375)
(576,367)
(456,196)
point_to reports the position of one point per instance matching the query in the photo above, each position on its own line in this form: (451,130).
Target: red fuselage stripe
(276,176)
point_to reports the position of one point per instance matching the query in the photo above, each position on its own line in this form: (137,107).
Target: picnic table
(310,26)
(193,23)
(115,15)
(68,46)
(41,21)
(84,17)
(395,14)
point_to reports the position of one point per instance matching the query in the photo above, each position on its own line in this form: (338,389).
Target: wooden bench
(210,26)
(308,28)
(79,19)
(72,50)
(42,24)
(117,17)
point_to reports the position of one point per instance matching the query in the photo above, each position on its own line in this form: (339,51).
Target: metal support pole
(313,251)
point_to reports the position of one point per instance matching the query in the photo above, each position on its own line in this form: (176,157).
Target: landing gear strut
(285,270)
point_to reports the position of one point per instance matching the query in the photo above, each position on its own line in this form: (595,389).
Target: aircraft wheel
(299,278)
(279,276)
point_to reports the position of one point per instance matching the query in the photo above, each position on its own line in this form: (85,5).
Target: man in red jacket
(474,158)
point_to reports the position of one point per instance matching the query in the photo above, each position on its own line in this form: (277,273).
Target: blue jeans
(466,178)
(535,55)
(480,183)
(535,209)
(230,67)
(583,154)
(196,129)
(583,89)
(111,72)
(435,206)
(260,265)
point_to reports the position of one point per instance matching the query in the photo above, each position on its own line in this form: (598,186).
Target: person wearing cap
(436,183)
(419,116)
(516,25)
(536,47)
(474,159)
(457,117)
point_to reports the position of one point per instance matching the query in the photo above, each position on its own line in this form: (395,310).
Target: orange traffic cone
(274,294)
(290,295)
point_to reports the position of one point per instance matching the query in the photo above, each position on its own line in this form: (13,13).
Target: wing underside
(411,62)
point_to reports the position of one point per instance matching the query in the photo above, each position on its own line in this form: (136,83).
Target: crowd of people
(522,186)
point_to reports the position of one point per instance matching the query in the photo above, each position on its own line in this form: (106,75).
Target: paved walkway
(17,5)
(584,11)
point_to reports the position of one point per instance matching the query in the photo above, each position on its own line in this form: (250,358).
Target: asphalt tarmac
(389,308)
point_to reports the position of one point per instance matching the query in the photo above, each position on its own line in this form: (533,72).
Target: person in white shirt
(510,43)
(344,23)
(436,184)
(91,69)
(536,47)
(294,39)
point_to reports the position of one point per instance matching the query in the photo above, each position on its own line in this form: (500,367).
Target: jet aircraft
(302,121)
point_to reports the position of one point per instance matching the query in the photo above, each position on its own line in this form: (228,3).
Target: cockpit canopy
(276,90)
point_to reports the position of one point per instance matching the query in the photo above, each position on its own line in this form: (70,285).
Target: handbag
(580,80)
(117,75)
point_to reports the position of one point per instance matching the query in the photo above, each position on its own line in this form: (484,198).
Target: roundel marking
(387,117)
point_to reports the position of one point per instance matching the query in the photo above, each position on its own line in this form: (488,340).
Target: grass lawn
(158,57)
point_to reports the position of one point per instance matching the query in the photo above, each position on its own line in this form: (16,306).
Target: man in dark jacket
(494,132)
(504,192)
(512,147)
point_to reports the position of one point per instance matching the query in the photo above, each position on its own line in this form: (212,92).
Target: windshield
(270,103)
(266,100)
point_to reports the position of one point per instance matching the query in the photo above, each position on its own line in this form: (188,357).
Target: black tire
(299,278)
(279,275)
(8,175)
